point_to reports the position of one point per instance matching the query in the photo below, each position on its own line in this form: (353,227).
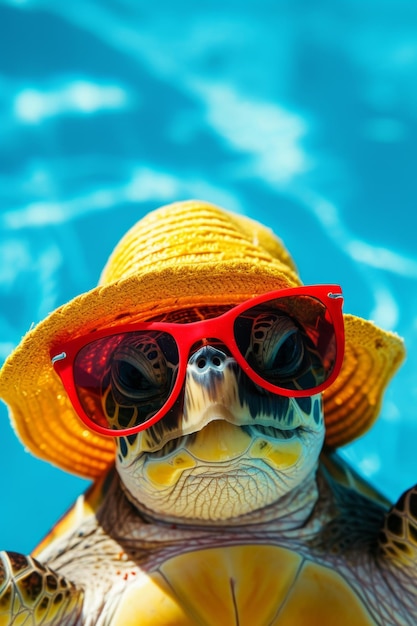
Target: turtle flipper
(31,590)
(398,537)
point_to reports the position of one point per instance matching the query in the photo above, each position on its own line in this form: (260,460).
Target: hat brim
(353,401)
(42,414)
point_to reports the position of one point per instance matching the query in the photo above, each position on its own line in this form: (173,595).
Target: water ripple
(301,115)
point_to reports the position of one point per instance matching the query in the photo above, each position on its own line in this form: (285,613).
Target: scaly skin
(145,566)
(31,593)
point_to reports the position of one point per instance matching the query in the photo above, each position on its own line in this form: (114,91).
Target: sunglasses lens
(124,380)
(289,342)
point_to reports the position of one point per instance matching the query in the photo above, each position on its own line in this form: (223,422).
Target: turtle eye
(138,371)
(122,380)
(287,342)
(277,347)
(139,378)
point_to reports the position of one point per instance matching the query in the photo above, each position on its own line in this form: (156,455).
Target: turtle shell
(241,585)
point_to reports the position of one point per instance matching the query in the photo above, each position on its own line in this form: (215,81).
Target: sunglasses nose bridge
(201,333)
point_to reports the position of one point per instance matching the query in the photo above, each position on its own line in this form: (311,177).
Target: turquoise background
(301,114)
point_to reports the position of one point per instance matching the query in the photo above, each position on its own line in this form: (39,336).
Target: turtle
(206,391)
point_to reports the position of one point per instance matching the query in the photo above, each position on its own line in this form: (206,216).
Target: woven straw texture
(184,255)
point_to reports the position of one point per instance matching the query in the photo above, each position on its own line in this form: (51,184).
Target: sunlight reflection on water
(301,117)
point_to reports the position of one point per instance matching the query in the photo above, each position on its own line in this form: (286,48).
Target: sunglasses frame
(186,335)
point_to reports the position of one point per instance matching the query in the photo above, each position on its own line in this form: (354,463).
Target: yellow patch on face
(219,441)
(166,472)
(278,454)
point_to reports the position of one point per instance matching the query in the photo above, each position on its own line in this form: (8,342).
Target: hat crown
(194,233)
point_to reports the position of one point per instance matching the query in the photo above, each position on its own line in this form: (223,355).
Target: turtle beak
(210,391)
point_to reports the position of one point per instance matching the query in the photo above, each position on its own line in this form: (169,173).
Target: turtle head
(226,449)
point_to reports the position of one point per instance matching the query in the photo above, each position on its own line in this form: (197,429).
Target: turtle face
(227,448)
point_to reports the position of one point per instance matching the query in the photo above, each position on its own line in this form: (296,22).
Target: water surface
(300,114)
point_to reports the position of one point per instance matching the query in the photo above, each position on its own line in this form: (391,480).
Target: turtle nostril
(208,358)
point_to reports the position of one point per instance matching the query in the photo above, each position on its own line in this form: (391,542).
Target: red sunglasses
(122,380)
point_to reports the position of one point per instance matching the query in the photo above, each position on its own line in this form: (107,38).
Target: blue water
(301,114)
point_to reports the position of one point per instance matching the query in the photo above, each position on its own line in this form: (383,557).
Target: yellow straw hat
(183,255)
